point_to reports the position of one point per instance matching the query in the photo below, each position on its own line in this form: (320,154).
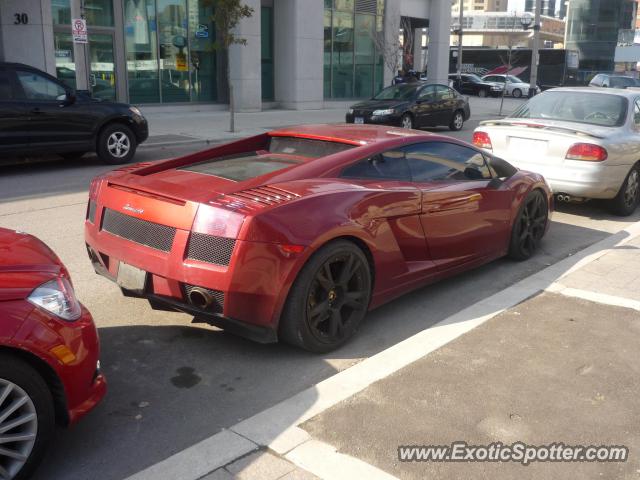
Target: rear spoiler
(540,126)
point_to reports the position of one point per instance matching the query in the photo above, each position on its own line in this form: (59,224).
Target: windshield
(622,82)
(601,109)
(474,78)
(397,92)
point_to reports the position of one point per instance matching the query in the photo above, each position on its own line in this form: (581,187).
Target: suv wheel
(116,144)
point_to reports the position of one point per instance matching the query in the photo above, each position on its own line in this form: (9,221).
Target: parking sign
(79,30)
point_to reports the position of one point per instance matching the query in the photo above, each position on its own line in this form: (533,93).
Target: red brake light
(218,222)
(482,140)
(587,152)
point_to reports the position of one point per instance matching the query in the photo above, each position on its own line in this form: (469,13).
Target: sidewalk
(175,125)
(553,358)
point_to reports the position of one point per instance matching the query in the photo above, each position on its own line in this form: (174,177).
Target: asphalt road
(171,383)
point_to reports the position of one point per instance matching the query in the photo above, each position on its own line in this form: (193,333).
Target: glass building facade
(352,66)
(592,30)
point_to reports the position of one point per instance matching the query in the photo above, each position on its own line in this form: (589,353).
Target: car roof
(348,133)
(630,92)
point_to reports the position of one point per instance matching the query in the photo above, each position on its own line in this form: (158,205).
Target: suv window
(442,161)
(38,87)
(6,92)
(391,165)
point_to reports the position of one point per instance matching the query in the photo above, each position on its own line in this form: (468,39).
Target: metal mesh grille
(217,295)
(366,6)
(137,230)
(91,211)
(210,249)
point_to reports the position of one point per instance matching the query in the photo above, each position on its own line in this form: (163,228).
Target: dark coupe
(413,105)
(472,84)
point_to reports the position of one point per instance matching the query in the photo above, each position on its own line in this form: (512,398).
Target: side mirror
(495,183)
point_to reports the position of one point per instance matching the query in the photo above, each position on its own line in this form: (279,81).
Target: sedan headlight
(57,297)
(135,111)
(496,87)
(379,113)
(350,111)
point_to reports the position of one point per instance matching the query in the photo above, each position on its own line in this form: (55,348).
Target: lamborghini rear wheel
(529,226)
(329,298)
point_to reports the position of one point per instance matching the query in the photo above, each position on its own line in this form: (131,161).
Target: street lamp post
(456,28)
(526,20)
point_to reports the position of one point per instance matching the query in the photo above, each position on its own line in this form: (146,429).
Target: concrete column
(244,62)
(417,50)
(79,52)
(439,30)
(391,32)
(32,42)
(298,53)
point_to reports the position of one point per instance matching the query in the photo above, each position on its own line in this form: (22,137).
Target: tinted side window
(427,93)
(38,87)
(443,93)
(441,161)
(6,92)
(390,165)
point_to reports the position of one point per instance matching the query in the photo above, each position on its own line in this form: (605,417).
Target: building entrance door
(102,66)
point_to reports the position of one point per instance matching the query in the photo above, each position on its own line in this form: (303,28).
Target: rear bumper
(249,292)
(581,179)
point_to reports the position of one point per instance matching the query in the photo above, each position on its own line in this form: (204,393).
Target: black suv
(40,114)
(472,84)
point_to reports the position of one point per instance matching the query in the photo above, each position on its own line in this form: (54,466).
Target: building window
(266,55)
(99,13)
(352,66)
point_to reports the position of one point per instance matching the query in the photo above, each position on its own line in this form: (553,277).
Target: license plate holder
(131,278)
(359,120)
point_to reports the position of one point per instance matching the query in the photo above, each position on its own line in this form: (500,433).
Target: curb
(277,427)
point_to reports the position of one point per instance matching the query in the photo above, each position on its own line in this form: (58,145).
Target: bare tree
(392,50)
(227,15)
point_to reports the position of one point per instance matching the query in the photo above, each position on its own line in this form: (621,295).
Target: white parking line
(277,427)
(595,297)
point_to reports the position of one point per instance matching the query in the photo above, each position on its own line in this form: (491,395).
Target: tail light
(217,221)
(587,152)
(482,140)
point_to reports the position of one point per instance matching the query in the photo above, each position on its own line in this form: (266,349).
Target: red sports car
(296,233)
(49,350)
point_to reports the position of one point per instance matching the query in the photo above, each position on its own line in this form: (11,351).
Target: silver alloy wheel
(18,428)
(118,144)
(407,122)
(458,121)
(631,192)
(516,93)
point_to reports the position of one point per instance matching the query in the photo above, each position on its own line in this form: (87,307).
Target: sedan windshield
(397,92)
(592,108)
(474,78)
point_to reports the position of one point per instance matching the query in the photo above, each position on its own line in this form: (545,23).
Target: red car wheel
(529,226)
(329,298)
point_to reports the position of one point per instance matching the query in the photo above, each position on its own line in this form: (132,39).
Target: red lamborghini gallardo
(296,233)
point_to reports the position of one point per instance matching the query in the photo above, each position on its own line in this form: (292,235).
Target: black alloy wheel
(329,298)
(529,226)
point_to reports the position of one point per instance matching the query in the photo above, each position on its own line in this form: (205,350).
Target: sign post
(79,30)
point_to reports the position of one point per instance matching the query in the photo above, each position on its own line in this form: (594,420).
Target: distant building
(503,29)
(479,6)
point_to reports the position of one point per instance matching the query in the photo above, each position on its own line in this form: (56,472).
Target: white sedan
(584,141)
(514,88)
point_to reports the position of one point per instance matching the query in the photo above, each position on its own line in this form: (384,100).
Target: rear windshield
(242,167)
(601,109)
(305,147)
(624,82)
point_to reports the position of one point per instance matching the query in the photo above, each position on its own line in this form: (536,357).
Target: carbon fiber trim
(218,297)
(153,235)
(210,249)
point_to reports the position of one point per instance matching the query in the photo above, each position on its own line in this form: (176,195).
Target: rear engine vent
(215,296)
(264,195)
(137,230)
(210,249)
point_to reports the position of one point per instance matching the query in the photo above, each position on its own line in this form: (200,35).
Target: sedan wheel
(329,299)
(407,121)
(26,418)
(457,121)
(626,202)
(529,226)
(516,93)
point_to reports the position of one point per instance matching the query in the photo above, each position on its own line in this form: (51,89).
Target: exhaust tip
(200,298)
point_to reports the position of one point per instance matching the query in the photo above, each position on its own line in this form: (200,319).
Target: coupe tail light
(482,140)
(587,152)
(217,221)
